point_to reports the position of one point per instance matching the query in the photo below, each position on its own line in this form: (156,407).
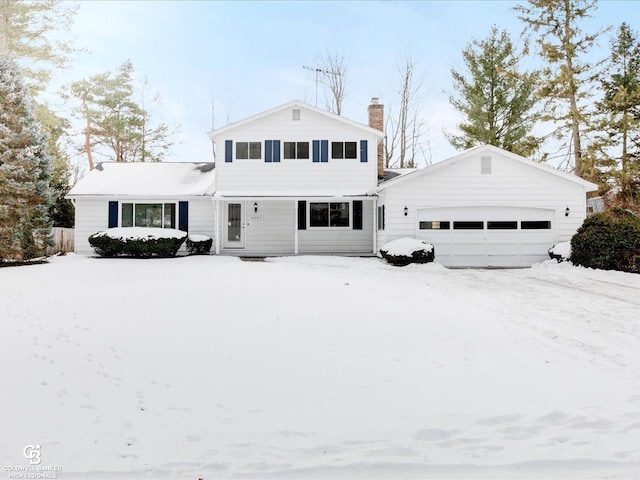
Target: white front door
(234,225)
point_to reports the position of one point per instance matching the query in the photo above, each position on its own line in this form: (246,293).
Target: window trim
(249,144)
(163,203)
(296,150)
(343,150)
(329,226)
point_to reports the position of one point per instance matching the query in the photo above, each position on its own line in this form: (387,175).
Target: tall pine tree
(620,109)
(564,84)
(25,170)
(494,97)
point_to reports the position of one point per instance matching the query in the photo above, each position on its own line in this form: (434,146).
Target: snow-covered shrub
(137,242)
(199,244)
(608,240)
(561,251)
(404,251)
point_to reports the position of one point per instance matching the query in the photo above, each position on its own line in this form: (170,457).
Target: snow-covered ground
(318,367)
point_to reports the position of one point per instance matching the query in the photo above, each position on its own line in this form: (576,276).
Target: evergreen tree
(30,34)
(562,45)
(115,124)
(620,108)
(25,169)
(494,97)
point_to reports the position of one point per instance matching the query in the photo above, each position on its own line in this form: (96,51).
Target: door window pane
(434,225)
(234,231)
(535,225)
(468,225)
(502,225)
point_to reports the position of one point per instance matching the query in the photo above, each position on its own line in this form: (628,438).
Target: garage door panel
(497,244)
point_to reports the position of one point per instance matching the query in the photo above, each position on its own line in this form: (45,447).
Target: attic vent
(485,165)
(296,114)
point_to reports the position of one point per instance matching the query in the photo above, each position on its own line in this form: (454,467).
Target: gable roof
(589,187)
(169,179)
(301,105)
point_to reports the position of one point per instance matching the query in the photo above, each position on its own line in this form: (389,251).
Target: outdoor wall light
(567,212)
(406,210)
(255,207)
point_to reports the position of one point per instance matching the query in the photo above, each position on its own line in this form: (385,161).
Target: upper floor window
(294,150)
(344,150)
(248,150)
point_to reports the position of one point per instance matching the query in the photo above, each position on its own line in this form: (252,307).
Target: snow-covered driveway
(319,367)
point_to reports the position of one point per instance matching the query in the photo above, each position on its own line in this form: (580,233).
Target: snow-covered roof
(167,179)
(589,187)
(298,104)
(265,193)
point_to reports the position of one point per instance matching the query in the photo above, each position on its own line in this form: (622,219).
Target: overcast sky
(248,56)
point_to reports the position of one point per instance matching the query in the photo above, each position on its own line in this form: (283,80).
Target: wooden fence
(62,239)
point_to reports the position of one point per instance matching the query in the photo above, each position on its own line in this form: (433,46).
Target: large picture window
(248,150)
(157,215)
(333,214)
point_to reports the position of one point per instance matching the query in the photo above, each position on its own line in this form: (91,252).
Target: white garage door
(488,236)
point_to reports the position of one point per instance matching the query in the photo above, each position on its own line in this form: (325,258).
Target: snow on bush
(137,242)
(561,251)
(199,244)
(404,251)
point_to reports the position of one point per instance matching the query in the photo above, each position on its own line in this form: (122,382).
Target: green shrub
(199,245)
(107,246)
(404,251)
(609,240)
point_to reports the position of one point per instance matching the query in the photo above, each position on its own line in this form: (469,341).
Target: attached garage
(490,236)
(485,207)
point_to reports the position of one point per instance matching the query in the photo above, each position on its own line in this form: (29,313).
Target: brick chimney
(376,120)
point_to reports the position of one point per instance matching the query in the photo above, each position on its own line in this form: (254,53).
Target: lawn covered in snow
(319,367)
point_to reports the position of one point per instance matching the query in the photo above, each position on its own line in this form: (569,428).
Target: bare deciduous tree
(333,76)
(404,130)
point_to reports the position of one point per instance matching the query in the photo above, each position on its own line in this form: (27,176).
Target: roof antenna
(319,70)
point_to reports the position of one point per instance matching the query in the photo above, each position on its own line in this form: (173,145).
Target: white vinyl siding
(336,176)
(340,240)
(461,183)
(270,230)
(92,215)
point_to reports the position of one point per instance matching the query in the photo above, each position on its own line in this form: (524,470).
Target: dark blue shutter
(383,220)
(276,150)
(324,150)
(183,216)
(228,151)
(302,215)
(357,214)
(364,154)
(113,214)
(268,150)
(316,150)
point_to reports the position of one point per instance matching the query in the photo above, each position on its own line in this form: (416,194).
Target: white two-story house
(296,179)
(299,180)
